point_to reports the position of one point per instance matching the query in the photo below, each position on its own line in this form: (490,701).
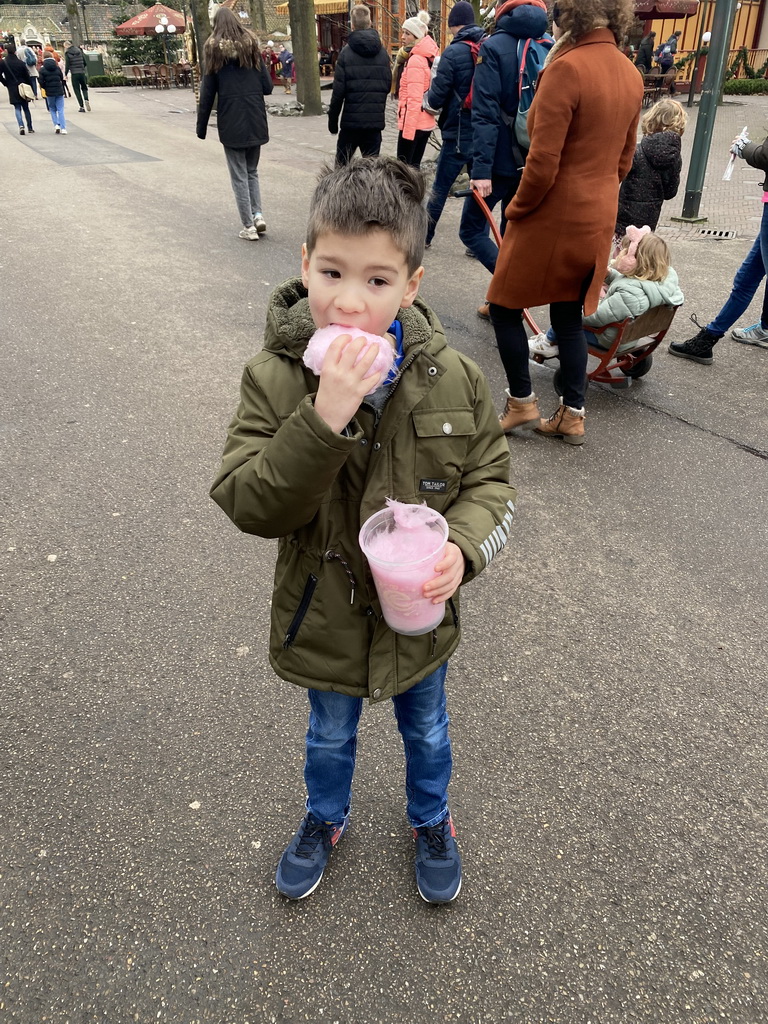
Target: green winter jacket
(286,474)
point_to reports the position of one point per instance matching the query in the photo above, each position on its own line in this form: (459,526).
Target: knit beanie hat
(462,13)
(508,5)
(417,26)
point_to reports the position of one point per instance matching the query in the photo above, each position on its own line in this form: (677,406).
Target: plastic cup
(401,562)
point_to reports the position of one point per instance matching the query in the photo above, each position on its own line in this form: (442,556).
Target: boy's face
(358,281)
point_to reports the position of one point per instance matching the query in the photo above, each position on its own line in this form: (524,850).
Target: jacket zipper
(301,611)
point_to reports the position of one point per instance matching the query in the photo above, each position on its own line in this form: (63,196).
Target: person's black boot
(698,348)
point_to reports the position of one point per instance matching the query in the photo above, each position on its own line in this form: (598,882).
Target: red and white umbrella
(144,24)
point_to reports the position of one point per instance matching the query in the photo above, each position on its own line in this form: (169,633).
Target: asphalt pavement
(608,700)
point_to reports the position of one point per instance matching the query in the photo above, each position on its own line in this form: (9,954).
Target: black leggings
(410,151)
(512,342)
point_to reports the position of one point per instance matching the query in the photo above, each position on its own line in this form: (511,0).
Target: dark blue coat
(495,89)
(450,87)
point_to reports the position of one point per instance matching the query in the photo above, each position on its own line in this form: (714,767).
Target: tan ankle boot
(484,311)
(520,413)
(565,423)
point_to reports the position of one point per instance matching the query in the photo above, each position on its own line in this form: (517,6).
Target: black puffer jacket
(242,115)
(12,73)
(451,85)
(654,177)
(51,77)
(360,83)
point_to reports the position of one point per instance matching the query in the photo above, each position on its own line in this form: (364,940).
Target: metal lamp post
(163,29)
(83,5)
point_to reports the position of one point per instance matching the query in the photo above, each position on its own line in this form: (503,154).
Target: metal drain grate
(716,233)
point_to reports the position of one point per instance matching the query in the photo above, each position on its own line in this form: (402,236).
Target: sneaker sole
(438,903)
(763,343)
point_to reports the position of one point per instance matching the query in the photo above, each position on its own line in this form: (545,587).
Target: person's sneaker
(539,345)
(31,131)
(303,862)
(87,106)
(468,252)
(520,412)
(57,129)
(566,423)
(63,131)
(754,335)
(259,223)
(438,864)
(484,311)
(81,110)
(22,132)
(250,233)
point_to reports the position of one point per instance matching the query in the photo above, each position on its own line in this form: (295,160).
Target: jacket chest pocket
(442,440)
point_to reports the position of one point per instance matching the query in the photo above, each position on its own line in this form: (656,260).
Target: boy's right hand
(343,382)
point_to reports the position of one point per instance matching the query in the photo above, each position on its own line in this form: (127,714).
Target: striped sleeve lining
(495,542)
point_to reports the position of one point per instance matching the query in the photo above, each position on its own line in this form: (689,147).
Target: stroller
(630,354)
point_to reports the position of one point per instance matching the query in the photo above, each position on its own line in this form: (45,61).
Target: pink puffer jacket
(414,82)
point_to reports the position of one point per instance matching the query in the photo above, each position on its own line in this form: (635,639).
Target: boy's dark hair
(370,193)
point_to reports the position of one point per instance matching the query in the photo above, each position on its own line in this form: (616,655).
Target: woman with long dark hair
(555,250)
(235,73)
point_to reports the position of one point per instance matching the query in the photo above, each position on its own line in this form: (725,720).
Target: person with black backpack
(496,156)
(451,94)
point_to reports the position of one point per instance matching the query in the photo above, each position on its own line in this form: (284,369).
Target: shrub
(746,87)
(104,81)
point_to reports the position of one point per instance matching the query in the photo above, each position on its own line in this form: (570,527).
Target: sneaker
(57,129)
(438,864)
(468,252)
(303,862)
(81,110)
(540,345)
(259,223)
(484,311)
(88,106)
(520,413)
(63,131)
(31,131)
(566,423)
(754,335)
(22,132)
(698,348)
(250,233)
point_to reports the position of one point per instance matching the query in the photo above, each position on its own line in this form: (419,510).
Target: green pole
(722,26)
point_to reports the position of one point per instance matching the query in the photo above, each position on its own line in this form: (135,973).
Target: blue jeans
(23,107)
(56,108)
(745,284)
(332,749)
(473,230)
(449,165)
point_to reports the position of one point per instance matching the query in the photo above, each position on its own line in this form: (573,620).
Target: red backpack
(474,49)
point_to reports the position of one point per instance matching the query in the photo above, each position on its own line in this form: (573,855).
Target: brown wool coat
(583,128)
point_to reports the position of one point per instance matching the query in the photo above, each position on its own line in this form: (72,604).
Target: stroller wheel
(639,369)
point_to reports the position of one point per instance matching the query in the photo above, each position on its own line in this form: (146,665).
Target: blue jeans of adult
(244,175)
(56,110)
(449,165)
(332,749)
(745,284)
(473,230)
(23,108)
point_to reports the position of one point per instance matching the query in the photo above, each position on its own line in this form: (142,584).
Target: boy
(308,461)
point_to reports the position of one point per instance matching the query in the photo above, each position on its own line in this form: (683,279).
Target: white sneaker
(57,129)
(754,335)
(63,131)
(250,233)
(539,345)
(259,223)
(87,106)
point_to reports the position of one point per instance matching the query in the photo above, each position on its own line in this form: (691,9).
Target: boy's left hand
(451,567)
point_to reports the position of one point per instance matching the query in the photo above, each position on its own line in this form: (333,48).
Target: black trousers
(367,140)
(410,151)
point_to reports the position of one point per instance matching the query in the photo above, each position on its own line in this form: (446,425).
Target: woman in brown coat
(583,126)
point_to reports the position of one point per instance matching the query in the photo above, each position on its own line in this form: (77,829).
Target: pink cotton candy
(320,342)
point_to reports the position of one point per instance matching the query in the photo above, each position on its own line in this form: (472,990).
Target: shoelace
(694,319)
(314,832)
(436,837)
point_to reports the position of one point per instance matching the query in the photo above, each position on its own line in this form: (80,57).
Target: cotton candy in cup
(403,543)
(320,342)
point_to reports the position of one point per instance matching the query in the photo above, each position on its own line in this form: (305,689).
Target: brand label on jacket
(433,486)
